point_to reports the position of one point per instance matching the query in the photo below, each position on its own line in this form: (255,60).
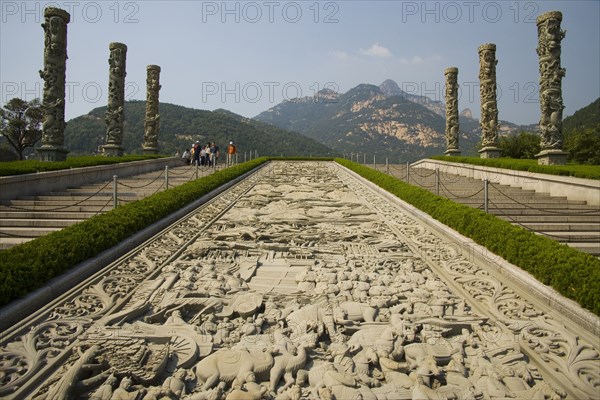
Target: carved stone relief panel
(300,282)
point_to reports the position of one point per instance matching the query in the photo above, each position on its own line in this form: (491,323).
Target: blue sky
(247,56)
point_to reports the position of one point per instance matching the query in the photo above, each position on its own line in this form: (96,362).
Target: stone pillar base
(112,150)
(552,157)
(150,150)
(452,153)
(51,153)
(490,152)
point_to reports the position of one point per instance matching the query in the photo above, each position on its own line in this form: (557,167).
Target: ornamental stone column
(489,107)
(152,121)
(551,102)
(116,100)
(54,76)
(452,123)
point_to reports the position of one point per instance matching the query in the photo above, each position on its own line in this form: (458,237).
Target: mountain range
(180,127)
(371,120)
(377,120)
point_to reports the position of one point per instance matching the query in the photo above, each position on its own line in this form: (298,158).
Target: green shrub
(574,274)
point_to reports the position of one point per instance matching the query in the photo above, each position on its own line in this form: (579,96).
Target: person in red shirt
(231,151)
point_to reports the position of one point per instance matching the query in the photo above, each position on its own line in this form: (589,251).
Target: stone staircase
(276,277)
(574,223)
(272,279)
(29,217)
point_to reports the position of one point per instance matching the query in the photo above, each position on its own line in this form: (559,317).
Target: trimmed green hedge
(29,266)
(32,166)
(574,274)
(575,170)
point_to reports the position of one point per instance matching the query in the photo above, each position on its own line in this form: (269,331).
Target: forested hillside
(181,126)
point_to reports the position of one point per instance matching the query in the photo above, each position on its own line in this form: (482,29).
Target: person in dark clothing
(196,153)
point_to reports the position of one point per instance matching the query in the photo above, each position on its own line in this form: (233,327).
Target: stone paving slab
(304,280)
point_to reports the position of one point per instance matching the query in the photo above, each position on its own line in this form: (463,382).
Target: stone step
(582,236)
(27,232)
(534,212)
(46,215)
(86,192)
(37,223)
(590,248)
(550,207)
(563,227)
(525,219)
(62,202)
(477,192)
(48,208)
(471,190)
(467,196)
(8,242)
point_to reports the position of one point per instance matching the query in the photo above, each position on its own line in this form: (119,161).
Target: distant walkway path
(28,217)
(574,223)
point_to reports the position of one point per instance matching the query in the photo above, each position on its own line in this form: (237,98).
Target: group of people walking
(208,155)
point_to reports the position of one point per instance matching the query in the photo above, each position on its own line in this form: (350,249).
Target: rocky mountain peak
(466,113)
(390,88)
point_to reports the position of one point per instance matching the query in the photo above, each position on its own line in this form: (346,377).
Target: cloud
(376,50)
(340,55)
(415,60)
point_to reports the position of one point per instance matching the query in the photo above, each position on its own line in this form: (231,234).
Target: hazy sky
(248,56)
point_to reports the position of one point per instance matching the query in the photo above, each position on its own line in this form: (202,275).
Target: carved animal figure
(355,311)
(252,390)
(414,351)
(226,365)
(363,359)
(287,364)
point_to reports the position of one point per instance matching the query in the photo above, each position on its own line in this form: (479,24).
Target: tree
(21,123)
(583,145)
(523,145)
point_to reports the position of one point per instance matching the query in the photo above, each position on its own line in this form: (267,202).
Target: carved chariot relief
(300,282)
